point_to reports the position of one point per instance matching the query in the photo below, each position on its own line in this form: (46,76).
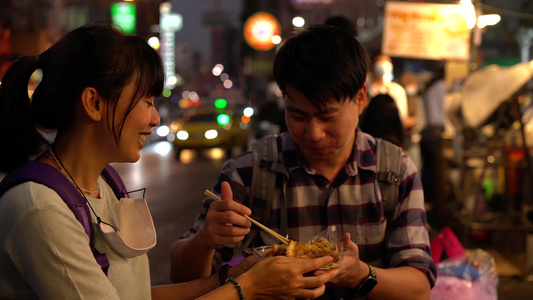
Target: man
(331,188)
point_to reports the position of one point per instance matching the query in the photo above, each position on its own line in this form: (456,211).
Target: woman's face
(137,125)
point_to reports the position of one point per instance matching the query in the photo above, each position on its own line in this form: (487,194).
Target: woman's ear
(92,103)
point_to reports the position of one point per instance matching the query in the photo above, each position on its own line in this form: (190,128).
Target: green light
(123,14)
(167,93)
(223,119)
(221,103)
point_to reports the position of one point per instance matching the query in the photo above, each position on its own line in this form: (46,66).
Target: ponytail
(21,139)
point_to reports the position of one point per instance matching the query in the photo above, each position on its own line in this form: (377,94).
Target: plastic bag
(470,277)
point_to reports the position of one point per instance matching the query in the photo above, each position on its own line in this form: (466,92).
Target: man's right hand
(225,222)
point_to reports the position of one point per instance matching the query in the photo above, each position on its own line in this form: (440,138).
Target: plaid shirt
(350,203)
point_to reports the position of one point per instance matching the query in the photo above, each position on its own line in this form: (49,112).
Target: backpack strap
(388,175)
(49,176)
(114,180)
(263,188)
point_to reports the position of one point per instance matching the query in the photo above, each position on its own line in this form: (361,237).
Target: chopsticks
(278,236)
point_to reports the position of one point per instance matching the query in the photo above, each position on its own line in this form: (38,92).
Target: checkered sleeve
(408,239)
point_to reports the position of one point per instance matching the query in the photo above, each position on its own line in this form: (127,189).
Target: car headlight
(182,135)
(211,134)
(162,130)
(175,126)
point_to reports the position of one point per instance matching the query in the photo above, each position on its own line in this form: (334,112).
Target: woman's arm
(275,277)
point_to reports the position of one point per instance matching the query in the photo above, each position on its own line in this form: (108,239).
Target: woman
(97,96)
(382,120)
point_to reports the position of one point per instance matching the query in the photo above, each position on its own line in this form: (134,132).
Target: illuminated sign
(173,22)
(123,14)
(425,31)
(169,23)
(259,29)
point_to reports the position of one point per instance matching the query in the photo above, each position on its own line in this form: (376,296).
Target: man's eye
(298,117)
(327,118)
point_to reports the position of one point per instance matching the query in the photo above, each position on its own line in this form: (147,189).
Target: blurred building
(33,25)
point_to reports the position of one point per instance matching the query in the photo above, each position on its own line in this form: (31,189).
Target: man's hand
(352,270)
(224,223)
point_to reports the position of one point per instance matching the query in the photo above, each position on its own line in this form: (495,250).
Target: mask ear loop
(138,190)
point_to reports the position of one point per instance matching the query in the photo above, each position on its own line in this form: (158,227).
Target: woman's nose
(156,120)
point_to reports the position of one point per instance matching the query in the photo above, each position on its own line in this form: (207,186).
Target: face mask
(411,90)
(382,68)
(135,234)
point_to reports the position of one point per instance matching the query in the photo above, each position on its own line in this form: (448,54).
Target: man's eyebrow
(323,111)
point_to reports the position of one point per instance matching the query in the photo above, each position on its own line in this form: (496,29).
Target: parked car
(210,127)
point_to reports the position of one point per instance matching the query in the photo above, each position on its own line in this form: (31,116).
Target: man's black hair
(322,62)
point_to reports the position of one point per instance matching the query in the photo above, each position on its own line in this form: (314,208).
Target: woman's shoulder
(29,195)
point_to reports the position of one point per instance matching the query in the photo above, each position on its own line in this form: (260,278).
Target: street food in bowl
(313,249)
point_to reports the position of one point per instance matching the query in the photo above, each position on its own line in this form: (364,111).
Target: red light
(245,119)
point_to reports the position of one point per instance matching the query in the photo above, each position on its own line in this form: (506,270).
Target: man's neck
(331,167)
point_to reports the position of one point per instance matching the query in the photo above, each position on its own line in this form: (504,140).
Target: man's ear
(361,99)
(92,103)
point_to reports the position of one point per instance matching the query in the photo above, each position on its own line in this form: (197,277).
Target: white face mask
(135,234)
(382,68)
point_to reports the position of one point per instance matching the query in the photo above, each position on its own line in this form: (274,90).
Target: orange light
(245,119)
(259,29)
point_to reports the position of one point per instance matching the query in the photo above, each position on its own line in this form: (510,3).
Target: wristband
(368,283)
(223,274)
(237,286)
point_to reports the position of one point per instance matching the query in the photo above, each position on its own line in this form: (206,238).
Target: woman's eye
(150,104)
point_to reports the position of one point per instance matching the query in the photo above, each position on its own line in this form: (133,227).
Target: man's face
(323,134)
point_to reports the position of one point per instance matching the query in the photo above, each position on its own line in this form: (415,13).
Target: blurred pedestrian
(381,82)
(382,120)
(431,143)
(97,95)
(415,107)
(343,24)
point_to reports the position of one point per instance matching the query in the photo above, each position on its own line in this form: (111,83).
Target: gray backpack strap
(266,166)
(388,174)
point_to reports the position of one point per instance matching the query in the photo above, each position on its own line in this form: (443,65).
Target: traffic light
(223,119)
(221,103)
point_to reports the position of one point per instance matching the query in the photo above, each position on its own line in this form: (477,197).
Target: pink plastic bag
(472,277)
(446,242)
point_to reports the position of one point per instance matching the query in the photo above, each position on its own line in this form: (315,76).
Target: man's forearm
(189,261)
(401,283)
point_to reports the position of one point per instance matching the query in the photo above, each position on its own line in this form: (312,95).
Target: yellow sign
(425,31)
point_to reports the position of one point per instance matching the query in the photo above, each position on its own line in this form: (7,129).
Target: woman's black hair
(381,119)
(94,55)
(322,62)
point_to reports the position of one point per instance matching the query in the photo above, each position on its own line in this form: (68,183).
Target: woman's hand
(224,223)
(283,278)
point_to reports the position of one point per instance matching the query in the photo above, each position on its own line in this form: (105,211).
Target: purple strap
(49,176)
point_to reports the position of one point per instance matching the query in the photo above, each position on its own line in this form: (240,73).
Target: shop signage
(425,31)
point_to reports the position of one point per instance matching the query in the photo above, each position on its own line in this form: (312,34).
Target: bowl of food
(313,249)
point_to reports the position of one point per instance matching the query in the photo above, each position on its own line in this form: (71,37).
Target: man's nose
(314,131)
